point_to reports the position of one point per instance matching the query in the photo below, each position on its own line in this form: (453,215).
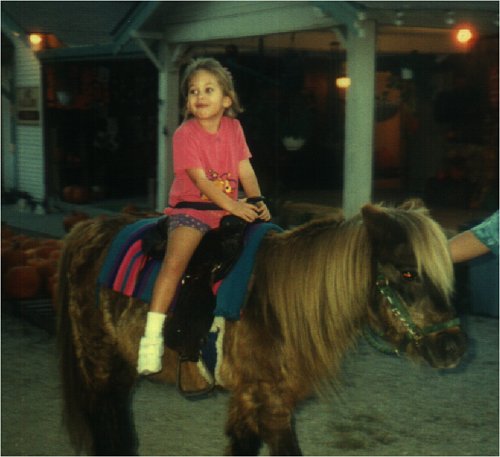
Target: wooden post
(168,121)
(360,117)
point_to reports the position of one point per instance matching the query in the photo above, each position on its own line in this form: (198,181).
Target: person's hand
(263,210)
(244,210)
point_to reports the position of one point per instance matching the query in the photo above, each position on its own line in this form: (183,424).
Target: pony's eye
(409,275)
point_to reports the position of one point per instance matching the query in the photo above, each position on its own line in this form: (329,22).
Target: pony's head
(412,311)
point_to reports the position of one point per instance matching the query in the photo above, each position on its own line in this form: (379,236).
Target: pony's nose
(452,344)
(445,349)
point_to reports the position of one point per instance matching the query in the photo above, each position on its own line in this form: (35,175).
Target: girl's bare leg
(182,243)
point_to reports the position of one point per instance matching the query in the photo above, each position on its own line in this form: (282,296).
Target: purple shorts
(185,220)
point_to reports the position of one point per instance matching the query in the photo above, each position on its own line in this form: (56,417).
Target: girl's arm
(241,209)
(250,185)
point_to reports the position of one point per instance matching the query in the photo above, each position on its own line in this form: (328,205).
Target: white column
(359,117)
(168,121)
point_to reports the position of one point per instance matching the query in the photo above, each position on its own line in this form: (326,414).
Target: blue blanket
(233,290)
(231,294)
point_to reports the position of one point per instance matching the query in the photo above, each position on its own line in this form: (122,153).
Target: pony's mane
(330,263)
(321,311)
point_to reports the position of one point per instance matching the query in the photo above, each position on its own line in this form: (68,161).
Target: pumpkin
(30,253)
(81,194)
(22,282)
(67,193)
(7,232)
(76,194)
(55,255)
(45,267)
(29,243)
(12,256)
(52,288)
(51,242)
(19,239)
(74,218)
(44,252)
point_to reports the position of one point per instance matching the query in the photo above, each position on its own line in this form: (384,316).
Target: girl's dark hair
(223,76)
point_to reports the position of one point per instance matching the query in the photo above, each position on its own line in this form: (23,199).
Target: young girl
(211,158)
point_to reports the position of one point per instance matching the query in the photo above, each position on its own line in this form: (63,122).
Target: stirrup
(190,394)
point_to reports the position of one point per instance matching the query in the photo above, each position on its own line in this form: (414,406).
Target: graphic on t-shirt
(224,182)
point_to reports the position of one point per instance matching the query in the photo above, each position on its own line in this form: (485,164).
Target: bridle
(400,311)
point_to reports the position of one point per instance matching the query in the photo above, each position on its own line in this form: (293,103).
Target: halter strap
(400,310)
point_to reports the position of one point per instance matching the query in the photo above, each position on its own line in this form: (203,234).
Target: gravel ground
(387,406)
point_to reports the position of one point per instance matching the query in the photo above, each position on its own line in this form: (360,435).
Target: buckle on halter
(381,281)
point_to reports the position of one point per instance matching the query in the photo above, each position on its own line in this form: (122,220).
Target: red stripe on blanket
(130,267)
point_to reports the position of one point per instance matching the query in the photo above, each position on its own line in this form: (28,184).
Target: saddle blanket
(129,271)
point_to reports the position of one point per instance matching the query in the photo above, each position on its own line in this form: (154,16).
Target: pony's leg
(242,425)
(261,414)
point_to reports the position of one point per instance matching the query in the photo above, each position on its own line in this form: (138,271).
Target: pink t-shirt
(217,154)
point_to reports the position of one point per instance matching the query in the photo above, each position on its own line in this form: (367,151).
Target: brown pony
(314,289)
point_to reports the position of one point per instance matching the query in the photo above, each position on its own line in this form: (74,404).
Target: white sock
(154,324)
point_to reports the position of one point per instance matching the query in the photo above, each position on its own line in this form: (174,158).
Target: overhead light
(464,35)
(35,39)
(343,82)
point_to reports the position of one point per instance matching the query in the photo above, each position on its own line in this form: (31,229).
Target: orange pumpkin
(7,232)
(51,242)
(68,193)
(43,252)
(29,243)
(76,194)
(45,267)
(74,218)
(12,256)
(81,194)
(55,255)
(19,239)
(52,288)
(22,282)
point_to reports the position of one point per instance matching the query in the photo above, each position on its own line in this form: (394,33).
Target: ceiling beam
(141,13)
(193,22)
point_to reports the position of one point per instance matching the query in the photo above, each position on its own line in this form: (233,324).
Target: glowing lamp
(35,39)
(343,82)
(464,35)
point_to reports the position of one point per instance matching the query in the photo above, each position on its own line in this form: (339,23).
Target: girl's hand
(263,211)
(244,210)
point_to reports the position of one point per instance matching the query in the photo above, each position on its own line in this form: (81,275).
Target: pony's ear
(413,203)
(382,228)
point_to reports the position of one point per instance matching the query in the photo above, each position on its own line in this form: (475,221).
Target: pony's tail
(75,401)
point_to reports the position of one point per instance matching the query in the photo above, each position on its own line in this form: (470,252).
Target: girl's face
(206,100)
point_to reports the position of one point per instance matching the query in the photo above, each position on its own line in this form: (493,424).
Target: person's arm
(250,184)
(244,210)
(466,246)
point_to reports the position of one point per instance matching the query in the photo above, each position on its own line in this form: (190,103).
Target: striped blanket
(129,271)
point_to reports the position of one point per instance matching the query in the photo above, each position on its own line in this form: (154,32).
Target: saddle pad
(129,271)
(232,292)
(126,268)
